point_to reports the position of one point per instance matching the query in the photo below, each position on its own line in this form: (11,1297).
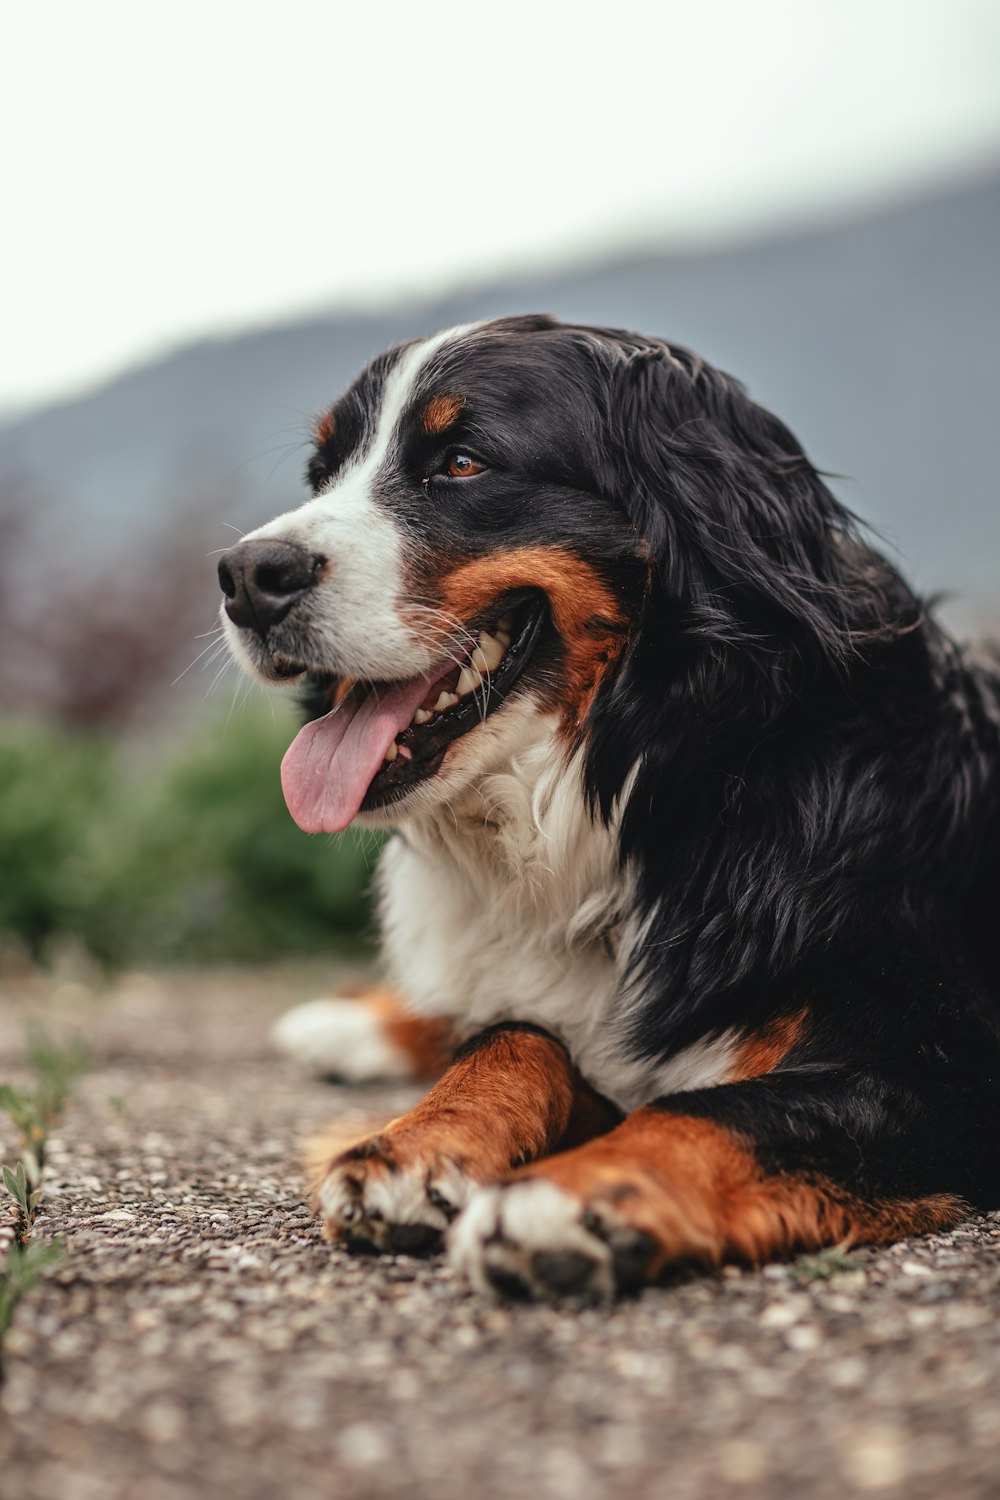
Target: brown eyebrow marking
(324,428)
(440,413)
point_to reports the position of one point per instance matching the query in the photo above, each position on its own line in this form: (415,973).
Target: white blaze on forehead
(397,395)
(354,618)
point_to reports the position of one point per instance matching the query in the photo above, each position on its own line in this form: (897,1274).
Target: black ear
(746,537)
(761,596)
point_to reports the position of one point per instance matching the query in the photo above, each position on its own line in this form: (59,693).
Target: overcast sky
(173,170)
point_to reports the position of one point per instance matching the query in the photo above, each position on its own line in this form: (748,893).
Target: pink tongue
(329,765)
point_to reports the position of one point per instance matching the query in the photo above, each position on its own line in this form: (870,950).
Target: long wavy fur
(791,708)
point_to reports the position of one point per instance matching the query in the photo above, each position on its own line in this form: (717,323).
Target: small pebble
(876,1458)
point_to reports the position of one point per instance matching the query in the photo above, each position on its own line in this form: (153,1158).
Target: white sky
(170,170)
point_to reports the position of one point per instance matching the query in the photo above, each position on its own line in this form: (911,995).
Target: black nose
(263,579)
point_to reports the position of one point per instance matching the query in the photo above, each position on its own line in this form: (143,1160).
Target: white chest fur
(513,906)
(510,908)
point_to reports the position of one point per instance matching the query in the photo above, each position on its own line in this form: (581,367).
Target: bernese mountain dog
(697,820)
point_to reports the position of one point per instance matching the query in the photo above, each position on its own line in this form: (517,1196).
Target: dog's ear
(760,593)
(745,535)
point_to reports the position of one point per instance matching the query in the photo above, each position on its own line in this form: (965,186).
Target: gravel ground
(200,1339)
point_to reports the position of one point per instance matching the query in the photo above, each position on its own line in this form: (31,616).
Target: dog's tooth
(422,715)
(446,700)
(503,636)
(392,751)
(468,680)
(489,653)
(404,752)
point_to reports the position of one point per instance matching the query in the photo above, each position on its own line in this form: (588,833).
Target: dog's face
(526,527)
(458,574)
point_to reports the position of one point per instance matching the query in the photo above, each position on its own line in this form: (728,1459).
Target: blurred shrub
(194,859)
(52,789)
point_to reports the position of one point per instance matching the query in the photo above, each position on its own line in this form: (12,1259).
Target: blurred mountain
(876,341)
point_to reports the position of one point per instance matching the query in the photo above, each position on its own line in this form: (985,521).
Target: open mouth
(382,739)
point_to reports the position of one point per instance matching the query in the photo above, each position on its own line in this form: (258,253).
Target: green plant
(27,1201)
(822,1266)
(23,1266)
(52,786)
(34,1110)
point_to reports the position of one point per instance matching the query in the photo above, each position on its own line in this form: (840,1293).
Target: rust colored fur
(441,413)
(512,1099)
(767,1049)
(586,613)
(324,428)
(427,1042)
(700,1194)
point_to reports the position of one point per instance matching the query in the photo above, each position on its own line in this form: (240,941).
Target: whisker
(285,449)
(289,450)
(459,627)
(217,678)
(250,684)
(212,646)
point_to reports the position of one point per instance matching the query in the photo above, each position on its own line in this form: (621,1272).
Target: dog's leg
(364,1036)
(744,1172)
(511,1096)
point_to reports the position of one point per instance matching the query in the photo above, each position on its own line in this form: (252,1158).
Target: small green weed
(822,1266)
(27,1200)
(22,1268)
(34,1110)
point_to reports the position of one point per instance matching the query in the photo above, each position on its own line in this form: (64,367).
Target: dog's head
(524,522)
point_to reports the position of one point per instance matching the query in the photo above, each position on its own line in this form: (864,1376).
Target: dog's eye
(463,466)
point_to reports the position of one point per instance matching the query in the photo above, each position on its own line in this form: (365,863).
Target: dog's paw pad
(531,1239)
(376,1203)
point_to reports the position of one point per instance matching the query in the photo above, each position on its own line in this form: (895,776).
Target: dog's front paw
(530,1238)
(392,1196)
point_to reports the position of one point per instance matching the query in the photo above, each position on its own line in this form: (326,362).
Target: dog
(696,812)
